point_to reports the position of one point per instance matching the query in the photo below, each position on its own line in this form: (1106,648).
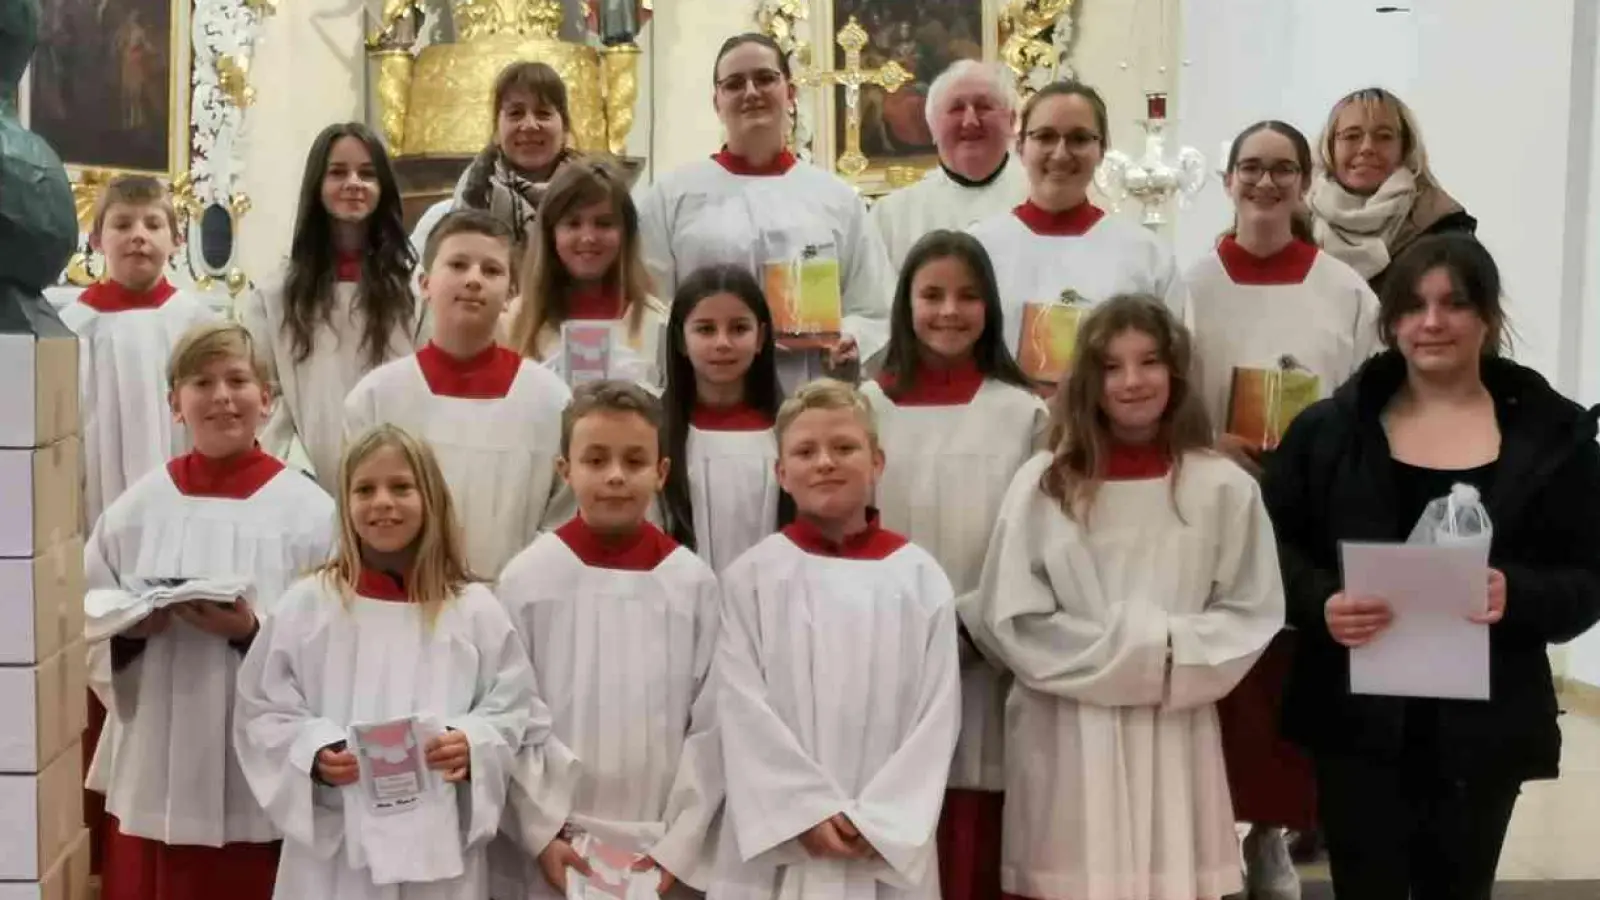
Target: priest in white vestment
(972,112)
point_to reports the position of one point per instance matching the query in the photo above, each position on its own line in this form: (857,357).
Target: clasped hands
(448,753)
(837,838)
(230,621)
(1356,621)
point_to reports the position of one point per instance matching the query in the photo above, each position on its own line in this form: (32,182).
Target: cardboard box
(43,814)
(67,879)
(41,491)
(45,708)
(39,369)
(41,603)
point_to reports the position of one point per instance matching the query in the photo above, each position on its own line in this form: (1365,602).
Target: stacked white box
(44,847)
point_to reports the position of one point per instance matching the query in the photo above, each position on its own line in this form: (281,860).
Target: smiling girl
(343,305)
(182,824)
(722,396)
(393,629)
(1130,583)
(957,418)
(584,264)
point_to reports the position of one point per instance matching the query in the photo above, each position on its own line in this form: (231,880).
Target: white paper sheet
(1431,649)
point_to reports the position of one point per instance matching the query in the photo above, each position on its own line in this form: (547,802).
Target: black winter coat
(1332,479)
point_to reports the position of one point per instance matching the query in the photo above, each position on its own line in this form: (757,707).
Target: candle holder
(1151,179)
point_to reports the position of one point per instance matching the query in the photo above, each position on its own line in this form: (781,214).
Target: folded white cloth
(111,611)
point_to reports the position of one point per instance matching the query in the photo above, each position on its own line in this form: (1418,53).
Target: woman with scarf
(1375,194)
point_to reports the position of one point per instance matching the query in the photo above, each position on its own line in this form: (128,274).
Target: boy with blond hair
(839,690)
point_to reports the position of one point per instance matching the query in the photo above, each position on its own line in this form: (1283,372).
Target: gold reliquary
(1263,401)
(435,101)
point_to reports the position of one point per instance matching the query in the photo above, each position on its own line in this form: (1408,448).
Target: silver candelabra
(1151,179)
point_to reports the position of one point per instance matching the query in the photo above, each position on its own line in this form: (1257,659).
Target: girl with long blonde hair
(584,263)
(1131,581)
(392,635)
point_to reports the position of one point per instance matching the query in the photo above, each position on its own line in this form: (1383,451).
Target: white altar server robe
(939,201)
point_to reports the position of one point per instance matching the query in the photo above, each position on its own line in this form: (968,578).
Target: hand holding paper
(843,351)
(1497,600)
(337,767)
(233,621)
(150,625)
(449,753)
(645,864)
(1355,621)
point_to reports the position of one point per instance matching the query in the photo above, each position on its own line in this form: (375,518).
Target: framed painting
(109,84)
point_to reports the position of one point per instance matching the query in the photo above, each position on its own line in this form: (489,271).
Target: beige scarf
(1360,230)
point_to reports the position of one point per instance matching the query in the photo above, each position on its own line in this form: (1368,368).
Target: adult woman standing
(753,204)
(1375,194)
(1416,794)
(1058,247)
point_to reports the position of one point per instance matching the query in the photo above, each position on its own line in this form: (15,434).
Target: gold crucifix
(890,76)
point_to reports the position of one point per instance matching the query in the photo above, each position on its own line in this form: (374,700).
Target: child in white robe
(1267,304)
(127,326)
(228,521)
(839,681)
(1131,582)
(957,418)
(721,400)
(754,204)
(343,304)
(492,417)
(584,264)
(1058,248)
(392,630)
(621,623)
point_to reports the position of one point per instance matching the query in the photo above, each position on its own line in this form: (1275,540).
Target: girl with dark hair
(1274,319)
(754,205)
(1415,794)
(956,420)
(507,179)
(1129,585)
(1058,248)
(583,263)
(721,401)
(344,304)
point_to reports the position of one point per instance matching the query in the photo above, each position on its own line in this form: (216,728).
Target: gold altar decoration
(1023,45)
(435,102)
(890,76)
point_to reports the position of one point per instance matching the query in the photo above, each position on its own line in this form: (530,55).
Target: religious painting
(109,83)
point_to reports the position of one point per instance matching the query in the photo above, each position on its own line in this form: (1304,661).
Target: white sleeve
(868,283)
(1214,649)
(655,238)
(696,794)
(1365,339)
(898,810)
(277,737)
(278,432)
(776,791)
(360,409)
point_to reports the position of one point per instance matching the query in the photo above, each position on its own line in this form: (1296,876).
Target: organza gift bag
(1454,520)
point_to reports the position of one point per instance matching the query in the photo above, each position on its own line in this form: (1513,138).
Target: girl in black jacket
(1416,794)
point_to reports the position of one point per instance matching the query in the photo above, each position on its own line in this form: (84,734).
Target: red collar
(641,551)
(237,477)
(111,296)
(1128,462)
(738,417)
(347,266)
(1074,222)
(739,165)
(381,586)
(1290,265)
(603,303)
(937,386)
(486,376)
(872,543)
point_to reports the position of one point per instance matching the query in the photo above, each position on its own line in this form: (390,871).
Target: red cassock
(136,868)
(969,844)
(1271,779)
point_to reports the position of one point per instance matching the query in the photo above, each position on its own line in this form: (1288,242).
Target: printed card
(394,770)
(806,298)
(1262,402)
(1049,338)
(587,348)
(614,877)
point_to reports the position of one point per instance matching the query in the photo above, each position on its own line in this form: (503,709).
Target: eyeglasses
(761,78)
(1251,171)
(1353,137)
(1078,141)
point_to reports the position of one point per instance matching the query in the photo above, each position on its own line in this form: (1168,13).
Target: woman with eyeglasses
(803,232)
(1058,249)
(1277,324)
(1375,194)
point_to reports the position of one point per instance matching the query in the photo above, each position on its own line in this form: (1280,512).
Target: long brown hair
(1080,433)
(438,569)
(546,284)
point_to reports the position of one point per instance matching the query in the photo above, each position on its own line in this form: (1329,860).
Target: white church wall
(1583,655)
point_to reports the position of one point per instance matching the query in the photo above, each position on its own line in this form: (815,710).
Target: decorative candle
(1155,106)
